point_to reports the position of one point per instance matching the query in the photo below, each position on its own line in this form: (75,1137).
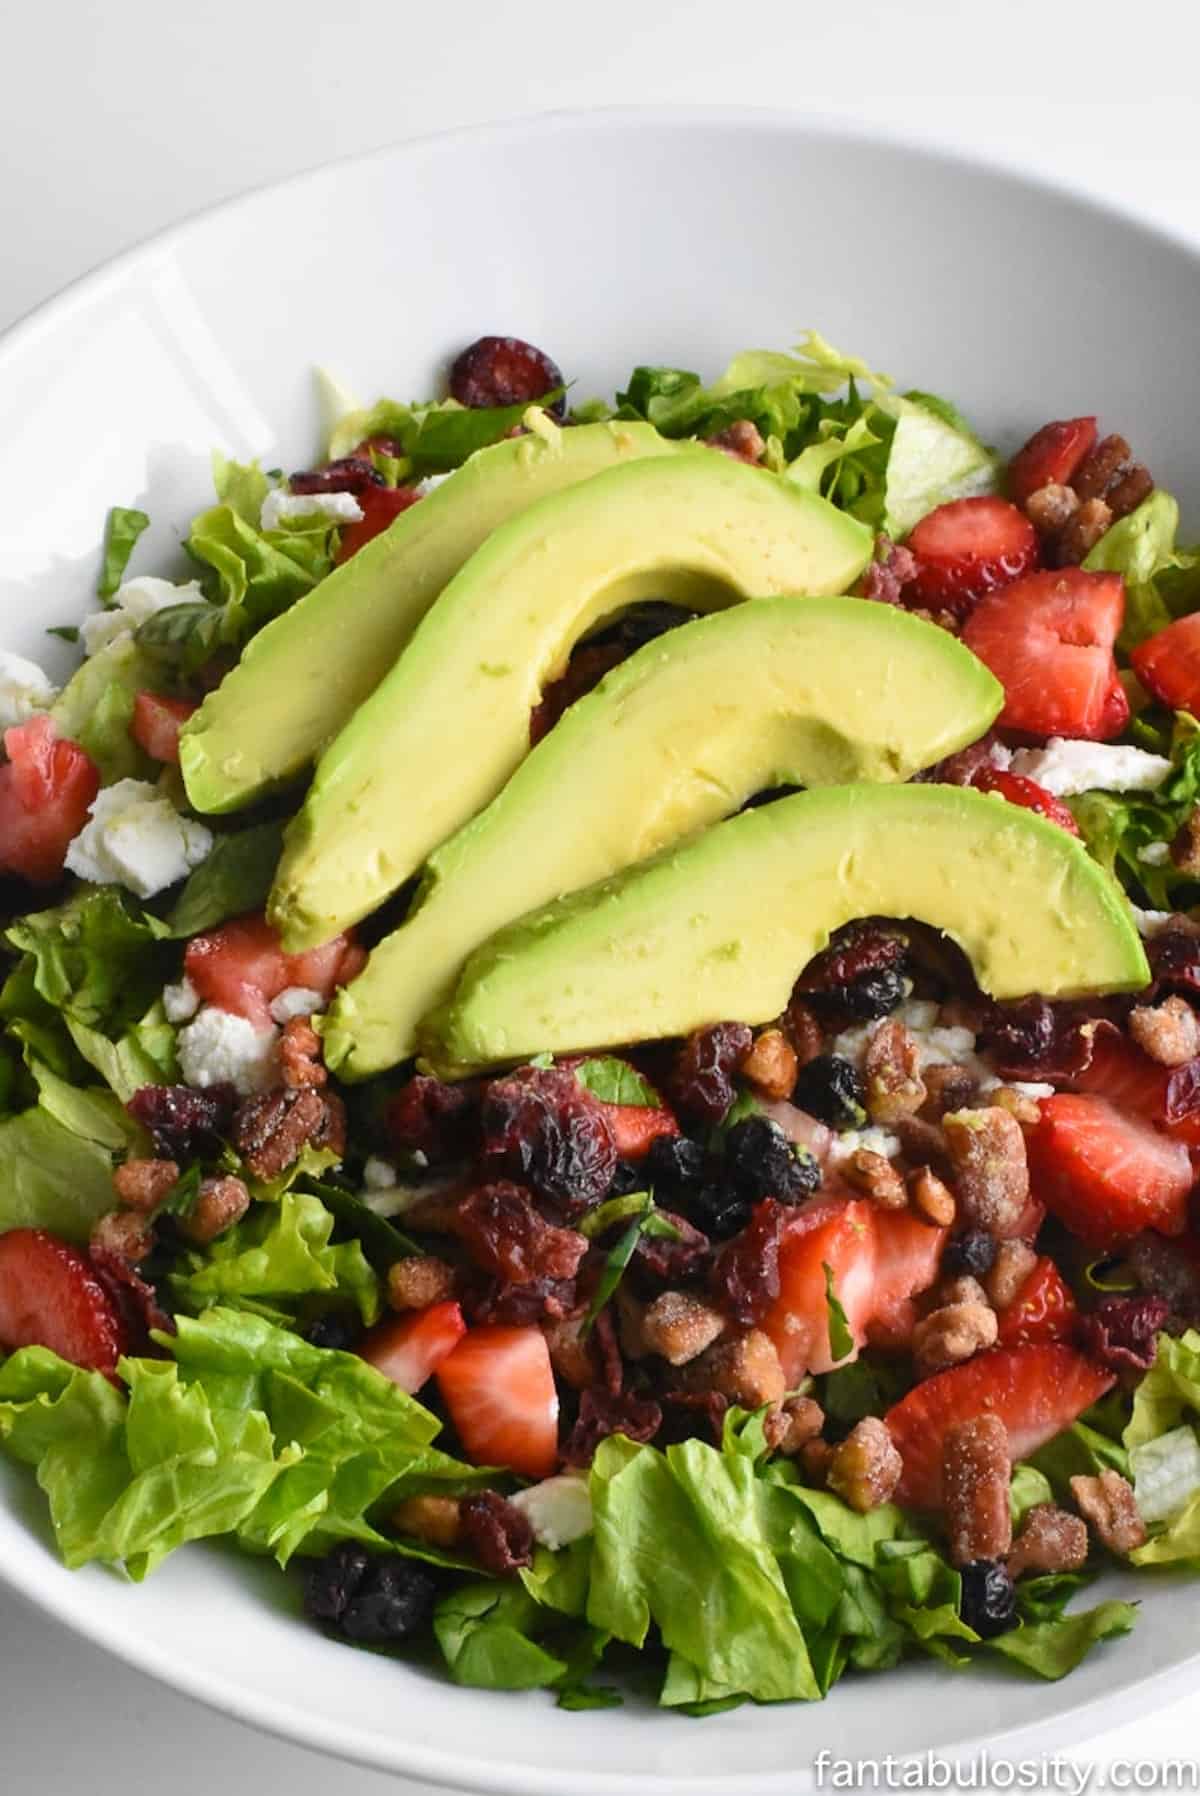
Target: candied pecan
(960,1288)
(185,1123)
(496,1531)
(1168,1031)
(1107,1503)
(506,1236)
(541,1126)
(270,1131)
(805,1030)
(1013,1263)
(892,1070)
(219,1203)
(1122,1332)
(889,571)
(143,1184)
(1185,845)
(1081,532)
(1127,493)
(419,1280)
(991,1174)
(1051,507)
(349,474)
(435,1520)
(742,440)
(609,1347)
(874,1175)
(947,1088)
(330,1131)
(924,1143)
(865,1468)
(744,1368)
(1101,467)
(125,1234)
(678,1326)
(793,1425)
(495,371)
(429,1117)
(1051,1540)
(815,1457)
(602,1414)
(571,1351)
(931,1198)
(952,1334)
(771,1065)
(702,1079)
(976,1474)
(1018,1103)
(300,1054)
(744,1277)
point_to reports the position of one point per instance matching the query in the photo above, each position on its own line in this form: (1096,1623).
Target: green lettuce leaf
(432,438)
(280,1254)
(233,879)
(1054,1648)
(1169,1393)
(1116,826)
(260,573)
(143,1055)
(933,458)
(121,532)
(1142,547)
(52,1177)
(95,707)
(241,485)
(614,1081)
(180,639)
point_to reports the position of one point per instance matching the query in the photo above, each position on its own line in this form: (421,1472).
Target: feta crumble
(559,1509)
(1151,922)
(296,1000)
(24,690)
(340,508)
(1068,768)
(136,838)
(1154,854)
(431,483)
(1000,757)
(132,604)
(378,1175)
(180,1002)
(874,1140)
(219,1047)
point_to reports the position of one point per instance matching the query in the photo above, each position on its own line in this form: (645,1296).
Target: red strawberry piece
(1051,457)
(498,1387)
(409,1349)
(844,1237)
(1028,794)
(1116,711)
(1132,1082)
(1043,1309)
(1168,665)
(635,1126)
(1049,639)
(46,787)
(1036,1391)
(157,722)
(381,506)
(1028,1223)
(51,1297)
(241,967)
(967,548)
(1106,1175)
(907,1258)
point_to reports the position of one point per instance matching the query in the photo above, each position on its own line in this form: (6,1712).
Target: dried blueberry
(673,1165)
(720,1211)
(969,1253)
(760,1161)
(989,1599)
(832,1090)
(627,1179)
(367,1597)
(336,1330)
(874,995)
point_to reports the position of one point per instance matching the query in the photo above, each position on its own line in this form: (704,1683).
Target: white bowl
(609,239)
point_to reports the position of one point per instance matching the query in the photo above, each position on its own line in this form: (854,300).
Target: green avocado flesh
(812,692)
(302,677)
(450,723)
(720,927)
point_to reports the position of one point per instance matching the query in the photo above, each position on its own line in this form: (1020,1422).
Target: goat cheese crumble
(340,508)
(180,1002)
(559,1509)
(296,1000)
(1068,768)
(132,604)
(24,690)
(135,837)
(219,1048)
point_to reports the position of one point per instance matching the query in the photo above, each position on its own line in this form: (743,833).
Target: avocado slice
(721,927)
(302,677)
(450,723)
(811,692)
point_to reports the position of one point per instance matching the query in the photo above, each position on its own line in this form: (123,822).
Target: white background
(121,116)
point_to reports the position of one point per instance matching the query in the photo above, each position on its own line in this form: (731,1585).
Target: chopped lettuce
(279,1255)
(1164,1456)
(52,1177)
(1169,1392)
(934,457)
(1118,827)
(95,708)
(1142,547)
(615,1081)
(1053,1648)
(1166,1474)
(121,532)
(259,573)
(432,438)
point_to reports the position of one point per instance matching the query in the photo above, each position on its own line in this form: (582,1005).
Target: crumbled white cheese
(1154,854)
(180,1002)
(24,690)
(340,508)
(559,1509)
(875,1141)
(937,1045)
(132,604)
(1151,922)
(296,1000)
(1069,768)
(999,756)
(378,1175)
(219,1047)
(431,482)
(136,838)
(1031,1088)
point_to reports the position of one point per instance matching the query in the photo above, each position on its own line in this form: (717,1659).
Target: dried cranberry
(1174,957)
(352,474)
(505,1235)
(601,1414)
(1182,1096)
(497,1532)
(429,1117)
(605,1336)
(674,1260)
(185,1123)
(135,1299)
(702,1080)
(584,671)
(744,1278)
(520,1306)
(856,952)
(1033,1039)
(542,1127)
(1164,1271)
(960,769)
(505,371)
(1122,1332)
(760,1161)
(683,1410)
(865,1000)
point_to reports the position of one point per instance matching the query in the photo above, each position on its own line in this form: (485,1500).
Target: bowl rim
(290,1721)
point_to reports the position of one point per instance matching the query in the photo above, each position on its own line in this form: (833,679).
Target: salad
(600,1035)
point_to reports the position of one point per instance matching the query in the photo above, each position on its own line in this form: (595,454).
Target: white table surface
(120,116)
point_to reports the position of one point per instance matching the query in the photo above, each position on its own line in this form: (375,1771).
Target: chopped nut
(1127,493)
(794,1425)
(891,1067)
(421,1279)
(679,1326)
(976,1475)
(1052,1540)
(300,1055)
(1108,1504)
(805,1031)
(571,1352)
(947,1088)
(742,440)
(952,1334)
(1185,848)
(931,1198)
(435,1520)
(1027,1110)
(1169,1032)
(876,1177)
(815,1457)
(142,1184)
(924,1144)
(124,1233)
(270,1131)
(630,1317)
(963,1289)
(771,1065)
(1013,1263)
(991,1173)
(1050,507)
(220,1202)
(865,1468)
(1080,534)
(1101,467)
(744,1368)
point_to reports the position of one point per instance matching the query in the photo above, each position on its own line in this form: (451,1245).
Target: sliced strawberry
(635,1126)
(241,967)
(1028,794)
(51,1297)
(409,1349)
(1106,1175)
(381,506)
(499,1389)
(907,1258)
(46,787)
(1049,639)
(1168,665)
(1036,1391)
(967,548)
(1051,457)
(1119,1071)
(842,1236)
(1043,1309)
(1116,712)
(157,722)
